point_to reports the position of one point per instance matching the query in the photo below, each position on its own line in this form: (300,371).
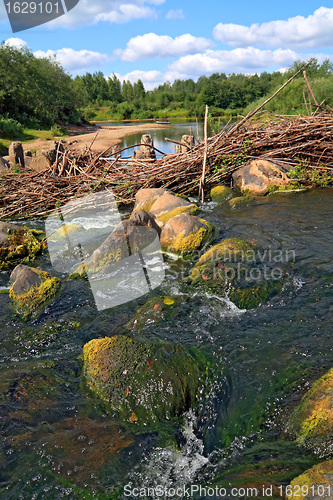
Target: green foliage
(10,128)
(313,176)
(34,92)
(58,131)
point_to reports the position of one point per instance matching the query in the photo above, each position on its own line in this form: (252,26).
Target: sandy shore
(104,136)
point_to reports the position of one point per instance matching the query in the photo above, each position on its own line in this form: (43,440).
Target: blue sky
(159,40)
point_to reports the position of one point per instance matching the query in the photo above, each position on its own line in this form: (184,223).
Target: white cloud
(89,12)
(298,32)
(75,60)
(16,42)
(175,14)
(150,79)
(126,13)
(152,45)
(248,60)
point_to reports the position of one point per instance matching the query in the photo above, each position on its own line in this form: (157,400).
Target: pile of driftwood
(293,140)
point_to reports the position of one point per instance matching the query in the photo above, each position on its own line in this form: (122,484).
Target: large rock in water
(142,382)
(312,420)
(314,484)
(145,197)
(16,243)
(258,176)
(168,206)
(31,289)
(185,234)
(129,237)
(237,268)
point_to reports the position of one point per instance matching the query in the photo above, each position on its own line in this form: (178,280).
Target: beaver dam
(301,140)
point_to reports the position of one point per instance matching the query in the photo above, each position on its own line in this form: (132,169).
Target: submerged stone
(140,382)
(155,310)
(17,244)
(311,423)
(241,201)
(239,269)
(31,289)
(64,232)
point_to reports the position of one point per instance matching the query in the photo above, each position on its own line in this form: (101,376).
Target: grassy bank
(29,135)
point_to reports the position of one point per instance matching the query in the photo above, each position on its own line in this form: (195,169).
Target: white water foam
(172,467)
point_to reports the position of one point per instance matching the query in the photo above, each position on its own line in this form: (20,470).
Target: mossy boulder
(31,290)
(168,206)
(221,193)
(141,383)
(241,201)
(127,238)
(17,244)
(315,483)
(238,269)
(311,423)
(186,233)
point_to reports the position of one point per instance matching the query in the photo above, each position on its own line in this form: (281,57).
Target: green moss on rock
(153,311)
(29,303)
(21,246)
(237,268)
(229,249)
(312,420)
(221,193)
(293,187)
(141,383)
(240,201)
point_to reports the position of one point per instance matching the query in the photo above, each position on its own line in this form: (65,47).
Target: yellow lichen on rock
(190,209)
(312,421)
(312,483)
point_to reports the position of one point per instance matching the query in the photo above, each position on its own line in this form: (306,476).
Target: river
(173,132)
(58,442)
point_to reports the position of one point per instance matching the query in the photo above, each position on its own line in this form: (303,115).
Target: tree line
(224,94)
(39,93)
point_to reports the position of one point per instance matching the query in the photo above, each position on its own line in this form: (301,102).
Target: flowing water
(58,442)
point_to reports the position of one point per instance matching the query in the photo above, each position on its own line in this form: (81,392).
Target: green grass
(28,135)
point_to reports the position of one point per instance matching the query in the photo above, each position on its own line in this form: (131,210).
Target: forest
(39,93)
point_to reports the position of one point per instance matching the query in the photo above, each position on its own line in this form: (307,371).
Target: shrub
(10,128)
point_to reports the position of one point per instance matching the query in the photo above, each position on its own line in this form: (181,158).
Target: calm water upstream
(57,442)
(173,132)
